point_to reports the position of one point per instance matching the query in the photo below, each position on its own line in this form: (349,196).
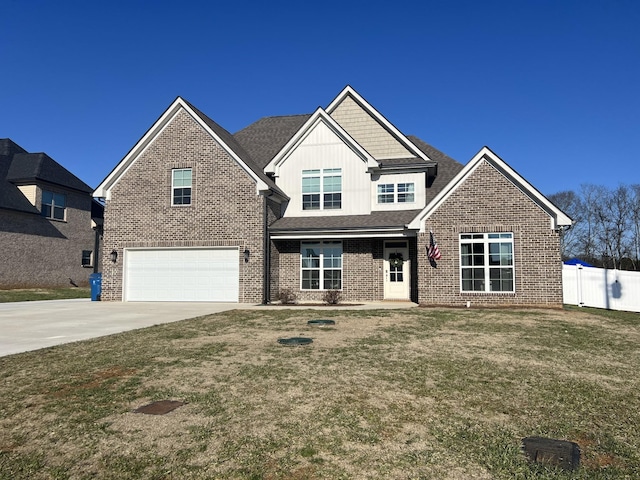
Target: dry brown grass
(421,393)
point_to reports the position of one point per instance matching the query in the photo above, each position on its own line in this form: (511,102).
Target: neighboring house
(46,216)
(338,199)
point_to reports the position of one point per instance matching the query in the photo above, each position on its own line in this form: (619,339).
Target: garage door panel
(177,274)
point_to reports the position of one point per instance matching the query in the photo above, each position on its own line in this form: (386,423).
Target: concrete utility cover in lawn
(181,275)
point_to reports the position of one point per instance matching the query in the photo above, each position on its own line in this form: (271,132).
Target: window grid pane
(321,266)
(492,249)
(53,205)
(181,179)
(386,193)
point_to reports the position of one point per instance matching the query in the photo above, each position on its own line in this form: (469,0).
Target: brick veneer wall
(39,252)
(225,209)
(488,202)
(362,275)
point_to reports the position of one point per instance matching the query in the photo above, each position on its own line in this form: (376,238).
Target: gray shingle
(391,219)
(17,166)
(238,148)
(447,167)
(266,137)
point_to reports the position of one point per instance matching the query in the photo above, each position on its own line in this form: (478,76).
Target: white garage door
(182,275)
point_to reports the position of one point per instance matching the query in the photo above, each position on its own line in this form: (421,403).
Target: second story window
(386,193)
(405,193)
(54,205)
(181,186)
(322,189)
(396,193)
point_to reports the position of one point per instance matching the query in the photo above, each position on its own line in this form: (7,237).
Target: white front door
(396,270)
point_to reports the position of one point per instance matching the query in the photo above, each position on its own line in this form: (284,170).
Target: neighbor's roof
(18,167)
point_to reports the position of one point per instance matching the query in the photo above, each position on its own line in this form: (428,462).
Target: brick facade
(45,253)
(489,202)
(362,270)
(225,208)
(227,211)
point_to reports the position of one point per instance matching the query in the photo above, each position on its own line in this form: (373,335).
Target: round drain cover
(321,323)
(295,341)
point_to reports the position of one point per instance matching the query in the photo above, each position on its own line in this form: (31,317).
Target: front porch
(366,269)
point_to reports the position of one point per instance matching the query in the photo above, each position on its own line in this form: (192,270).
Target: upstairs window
(386,193)
(181,186)
(406,193)
(311,189)
(486,262)
(322,189)
(396,193)
(54,205)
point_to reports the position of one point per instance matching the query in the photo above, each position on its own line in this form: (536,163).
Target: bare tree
(606,225)
(587,240)
(571,204)
(634,220)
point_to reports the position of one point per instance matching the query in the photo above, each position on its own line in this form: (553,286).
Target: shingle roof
(266,137)
(17,166)
(377,219)
(10,196)
(27,167)
(447,167)
(232,142)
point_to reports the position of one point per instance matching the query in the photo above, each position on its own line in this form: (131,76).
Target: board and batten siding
(322,149)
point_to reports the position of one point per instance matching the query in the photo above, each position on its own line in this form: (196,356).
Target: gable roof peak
(319,116)
(557,217)
(218,133)
(403,142)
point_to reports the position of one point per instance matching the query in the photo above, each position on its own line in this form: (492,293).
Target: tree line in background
(606,225)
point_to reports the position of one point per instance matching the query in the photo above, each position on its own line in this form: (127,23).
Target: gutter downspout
(266,249)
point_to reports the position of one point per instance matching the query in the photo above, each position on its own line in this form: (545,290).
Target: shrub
(287,296)
(332,297)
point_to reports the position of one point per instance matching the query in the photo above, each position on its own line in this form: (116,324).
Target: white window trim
(173,188)
(487,267)
(395,193)
(321,174)
(321,245)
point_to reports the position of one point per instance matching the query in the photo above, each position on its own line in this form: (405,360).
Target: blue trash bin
(95,280)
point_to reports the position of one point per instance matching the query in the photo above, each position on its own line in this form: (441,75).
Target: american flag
(434,252)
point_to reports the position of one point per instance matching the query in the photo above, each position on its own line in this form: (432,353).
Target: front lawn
(419,393)
(31,294)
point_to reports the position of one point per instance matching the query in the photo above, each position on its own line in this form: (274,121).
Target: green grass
(420,393)
(33,294)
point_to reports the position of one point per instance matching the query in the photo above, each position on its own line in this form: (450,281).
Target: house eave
(302,234)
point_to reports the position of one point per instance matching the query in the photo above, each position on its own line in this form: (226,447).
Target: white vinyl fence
(601,288)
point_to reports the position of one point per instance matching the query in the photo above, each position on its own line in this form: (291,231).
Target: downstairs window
(486,262)
(321,265)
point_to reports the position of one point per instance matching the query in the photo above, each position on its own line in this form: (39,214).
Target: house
(339,199)
(46,216)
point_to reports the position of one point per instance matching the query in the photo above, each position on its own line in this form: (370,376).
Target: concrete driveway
(26,326)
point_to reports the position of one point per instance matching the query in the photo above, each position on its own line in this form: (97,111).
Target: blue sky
(551,86)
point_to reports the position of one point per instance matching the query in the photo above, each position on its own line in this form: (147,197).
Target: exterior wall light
(246,255)
(114,256)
